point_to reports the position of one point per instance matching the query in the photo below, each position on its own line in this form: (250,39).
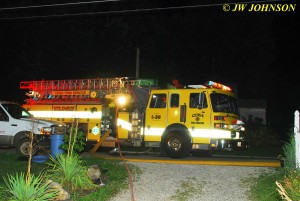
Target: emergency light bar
(218,86)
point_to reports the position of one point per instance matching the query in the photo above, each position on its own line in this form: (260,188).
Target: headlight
(221,125)
(60,129)
(46,130)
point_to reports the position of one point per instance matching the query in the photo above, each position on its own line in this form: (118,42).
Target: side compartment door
(156,117)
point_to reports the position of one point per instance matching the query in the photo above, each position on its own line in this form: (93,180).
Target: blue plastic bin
(56,141)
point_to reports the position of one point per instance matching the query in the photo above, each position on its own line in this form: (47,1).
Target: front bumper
(43,141)
(234,144)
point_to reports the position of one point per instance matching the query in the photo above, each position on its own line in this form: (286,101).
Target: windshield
(16,111)
(224,103)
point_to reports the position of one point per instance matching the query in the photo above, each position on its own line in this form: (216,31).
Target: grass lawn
(117,175)
(258,151)
(264,187)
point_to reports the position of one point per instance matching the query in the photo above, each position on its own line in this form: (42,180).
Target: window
(3,115)
(158,101)
(224,103)
(174,101)
(198,100)
(16,111)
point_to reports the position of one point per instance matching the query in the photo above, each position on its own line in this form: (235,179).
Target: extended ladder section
(77,89)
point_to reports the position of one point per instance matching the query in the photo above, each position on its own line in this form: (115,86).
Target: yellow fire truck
(192,119)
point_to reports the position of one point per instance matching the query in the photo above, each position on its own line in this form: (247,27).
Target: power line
(56,5)
(117,11)
(104,1)
(106,12)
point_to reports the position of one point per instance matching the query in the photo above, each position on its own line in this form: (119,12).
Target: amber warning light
(218,86)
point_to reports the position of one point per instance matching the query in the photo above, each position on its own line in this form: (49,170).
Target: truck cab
(196,119)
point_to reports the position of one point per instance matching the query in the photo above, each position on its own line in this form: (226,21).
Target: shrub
(69,171)
(289,186)
(289,151)
(33,189)
(258,134)
(76,138)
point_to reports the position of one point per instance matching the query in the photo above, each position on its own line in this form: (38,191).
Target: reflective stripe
(203,133)
(124,124)
(237,135)
(210,133)
(154,131)
(67,114)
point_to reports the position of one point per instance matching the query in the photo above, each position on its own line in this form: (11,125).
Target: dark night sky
(259,52)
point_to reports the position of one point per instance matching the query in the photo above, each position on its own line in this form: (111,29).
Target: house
(253,107)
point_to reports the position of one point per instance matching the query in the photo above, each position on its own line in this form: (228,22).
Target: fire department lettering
(63,108)
(156,116)
(197,115)
(76,92)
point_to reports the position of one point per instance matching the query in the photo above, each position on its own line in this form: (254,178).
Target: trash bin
(57,137)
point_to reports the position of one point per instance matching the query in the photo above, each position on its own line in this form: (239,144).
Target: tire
(23,148)
(177,144)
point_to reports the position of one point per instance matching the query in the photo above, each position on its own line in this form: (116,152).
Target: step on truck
(16,124)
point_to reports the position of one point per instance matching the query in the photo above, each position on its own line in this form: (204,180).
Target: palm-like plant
(33,188)
(69,171)
(28,187)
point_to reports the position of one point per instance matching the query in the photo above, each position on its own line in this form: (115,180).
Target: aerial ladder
(74,90)
(57,98)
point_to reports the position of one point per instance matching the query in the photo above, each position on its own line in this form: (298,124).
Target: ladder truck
(196,119)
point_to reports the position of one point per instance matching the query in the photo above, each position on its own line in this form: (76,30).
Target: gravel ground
(166,182)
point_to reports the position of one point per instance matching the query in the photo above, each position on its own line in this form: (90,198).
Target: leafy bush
(69,171)
(289,186)
(29,187)
(258,134)
(76,138)
(34,188)
(289,151)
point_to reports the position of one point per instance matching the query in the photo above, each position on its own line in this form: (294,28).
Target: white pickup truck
(16,123)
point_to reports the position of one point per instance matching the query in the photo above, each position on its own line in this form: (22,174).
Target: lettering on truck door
(198,117)
(156,117)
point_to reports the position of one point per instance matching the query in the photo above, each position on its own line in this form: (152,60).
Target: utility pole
(137,67)
(213,69)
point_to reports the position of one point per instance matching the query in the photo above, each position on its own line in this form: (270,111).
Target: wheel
(23,148)
(177,144)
